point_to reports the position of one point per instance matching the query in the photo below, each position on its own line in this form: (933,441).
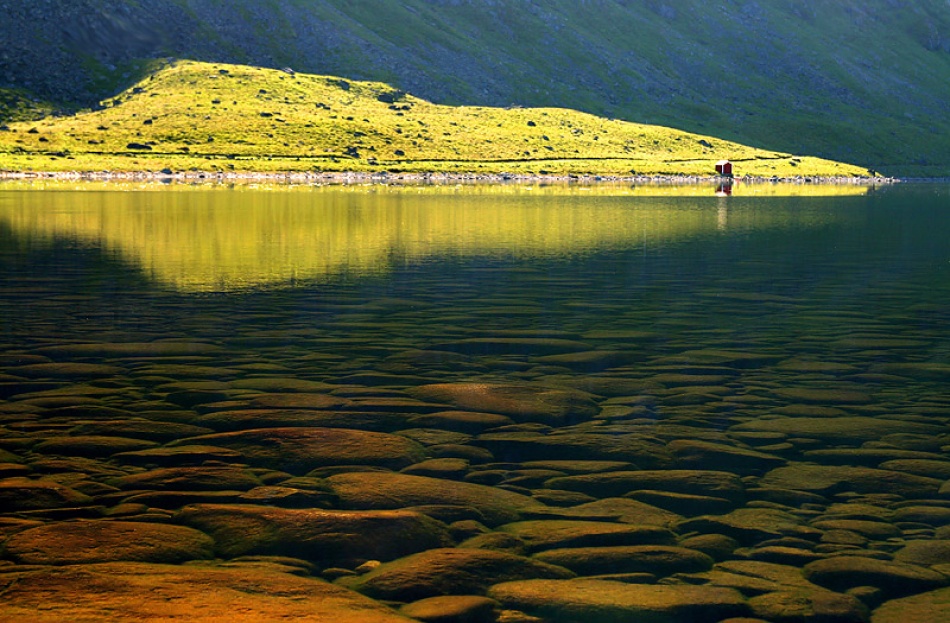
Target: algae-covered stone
(933,515)
(78,542)
(449,571)
(523,403)
(939,469)
(68,370)
(697,454)
(694,482)
(299,450)
(626,510)
(604,601)
(749,525)
(453,609)
(24,494)
(847,430)
(198,478)
(133,592)
(140,429)
(548,534)
(925,553)
(822,396)
(462,421)
(382,490)
(591,361)
(929,607)
(660,560)
(243,419)
(815,606)
(894,579)
(529,346)
(831,479)
(302,400)
(179,455)
(871,529)
(684,503)
(144,350)
(630,448)
(92,445)
(340,537)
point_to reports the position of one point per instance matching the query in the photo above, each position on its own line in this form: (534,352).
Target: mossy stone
(80,542)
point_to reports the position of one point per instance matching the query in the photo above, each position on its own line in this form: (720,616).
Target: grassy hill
(215,117)
(863,81)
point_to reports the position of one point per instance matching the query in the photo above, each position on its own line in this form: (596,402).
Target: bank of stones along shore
(168,176)
(139,480)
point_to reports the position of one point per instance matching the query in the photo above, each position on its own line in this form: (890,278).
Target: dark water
(797,346)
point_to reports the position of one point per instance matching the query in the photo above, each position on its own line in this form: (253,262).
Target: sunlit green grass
(191,116)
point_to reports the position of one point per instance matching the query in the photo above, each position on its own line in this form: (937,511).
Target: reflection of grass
(202,117)
(455,187)
(211,240)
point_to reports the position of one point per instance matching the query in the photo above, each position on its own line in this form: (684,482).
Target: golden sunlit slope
(204,117)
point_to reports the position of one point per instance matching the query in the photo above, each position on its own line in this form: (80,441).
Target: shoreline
(385,178)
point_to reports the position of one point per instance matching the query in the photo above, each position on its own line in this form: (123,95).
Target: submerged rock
(549,534)
(818,606)
(384,490)
(893,579)
(299,450)
(847,430)
(523,403)
(79,542)
(198,478)
(831,479)
(24,494)
(449,571)
(691,482)
(604,601)
(92,445)
(453,609)
(327,536)
(135,592)
(929,607)
(659,560)
(630,448)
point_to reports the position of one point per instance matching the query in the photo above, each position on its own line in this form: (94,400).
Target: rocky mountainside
(865,81)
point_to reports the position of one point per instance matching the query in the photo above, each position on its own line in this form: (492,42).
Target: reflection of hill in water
(209,239)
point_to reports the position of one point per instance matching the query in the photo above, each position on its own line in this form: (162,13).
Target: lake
(509,403)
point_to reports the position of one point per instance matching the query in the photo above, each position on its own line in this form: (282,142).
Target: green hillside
(863,81)
(214,117)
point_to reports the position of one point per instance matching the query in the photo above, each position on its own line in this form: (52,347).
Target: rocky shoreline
(316,178)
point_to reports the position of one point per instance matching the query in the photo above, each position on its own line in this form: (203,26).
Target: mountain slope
(865,81)
(215,117)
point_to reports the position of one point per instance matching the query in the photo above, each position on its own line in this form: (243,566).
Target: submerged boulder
(450,571)
(78,542)
(134,592)
(893,579)
(522,403)
(328,536)
(605,601)
(24,494)
(386,490)
(299,450)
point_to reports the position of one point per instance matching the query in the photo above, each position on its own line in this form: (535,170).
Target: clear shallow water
(786,331)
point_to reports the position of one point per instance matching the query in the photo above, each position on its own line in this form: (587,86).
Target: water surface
(777,339)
